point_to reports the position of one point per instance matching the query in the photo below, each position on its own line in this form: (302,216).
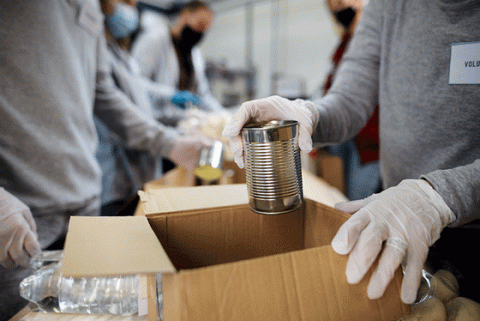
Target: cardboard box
(158,198)
(228,263)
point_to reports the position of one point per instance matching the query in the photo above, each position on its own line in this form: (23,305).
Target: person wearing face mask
(415,58)
(359,155)
(121,19)
(125,170)
(168,54)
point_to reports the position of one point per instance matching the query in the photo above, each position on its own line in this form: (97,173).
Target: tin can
(272,166)
(210,162)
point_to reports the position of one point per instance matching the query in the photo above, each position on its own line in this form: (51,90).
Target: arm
(157,89)
(115,109)
(340,114)
(136,129)
(460,189)
(351,100)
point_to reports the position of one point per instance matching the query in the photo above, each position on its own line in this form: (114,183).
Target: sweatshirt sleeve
(136,129)
(351,100)
(460,189)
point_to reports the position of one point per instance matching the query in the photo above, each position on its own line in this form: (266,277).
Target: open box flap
(170,199)
(100,246)
(187,198)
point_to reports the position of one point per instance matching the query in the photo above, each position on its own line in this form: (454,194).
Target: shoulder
(154,23)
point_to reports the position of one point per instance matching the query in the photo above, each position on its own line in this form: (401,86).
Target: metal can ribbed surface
(272,166)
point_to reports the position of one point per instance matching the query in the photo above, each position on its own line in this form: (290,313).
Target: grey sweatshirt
(54,71)
(400,57)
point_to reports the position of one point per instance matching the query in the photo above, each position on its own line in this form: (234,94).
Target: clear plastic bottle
(48,291)
(105,295)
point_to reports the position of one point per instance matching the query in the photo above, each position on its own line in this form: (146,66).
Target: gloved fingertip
(31,245)
(375,291)
(305,141)
(350,206)
(236,146)
(408,296)
(340,243)
(340,205)
(353,275)
(307,148)
(239,161)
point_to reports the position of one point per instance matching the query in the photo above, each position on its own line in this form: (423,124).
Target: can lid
(270,124)
(270,131)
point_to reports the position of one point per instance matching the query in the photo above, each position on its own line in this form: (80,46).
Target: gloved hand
(410,217)
(271,108)
(187,149)
(181,98)
(18,232)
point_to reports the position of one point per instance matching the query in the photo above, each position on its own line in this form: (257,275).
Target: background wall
(291,38)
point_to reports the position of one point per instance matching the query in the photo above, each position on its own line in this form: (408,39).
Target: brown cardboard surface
(233,264)
(238,265)
(330,168)
(158,200)
(112,246)
(201,238)
(301,285)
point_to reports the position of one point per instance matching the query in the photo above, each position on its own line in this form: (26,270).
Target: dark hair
(194,5)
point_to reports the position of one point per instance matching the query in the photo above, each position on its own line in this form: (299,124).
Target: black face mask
(189,38)
(345,16)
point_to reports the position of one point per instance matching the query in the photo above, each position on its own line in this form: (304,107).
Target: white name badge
(465,63)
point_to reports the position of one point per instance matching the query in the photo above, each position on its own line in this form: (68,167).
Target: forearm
(157,90)
(460,189)
(135,129)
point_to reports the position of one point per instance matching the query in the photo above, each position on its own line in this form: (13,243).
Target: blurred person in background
(126,170)
(359,155)
(414,59)
(55,69)
(168,54)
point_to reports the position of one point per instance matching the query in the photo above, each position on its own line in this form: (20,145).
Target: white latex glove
(187,149)
(410,217)
(271,108)
(18,232)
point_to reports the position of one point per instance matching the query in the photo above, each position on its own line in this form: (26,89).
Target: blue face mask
(122,22)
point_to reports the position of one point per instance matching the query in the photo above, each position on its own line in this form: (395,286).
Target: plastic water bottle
(105,295)
(49,291)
